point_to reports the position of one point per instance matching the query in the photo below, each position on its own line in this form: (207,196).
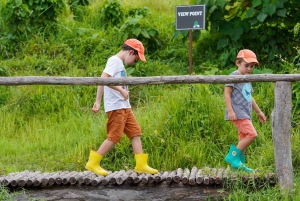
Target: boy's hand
(96,107)
(262,117)
(125,94)
(231,115)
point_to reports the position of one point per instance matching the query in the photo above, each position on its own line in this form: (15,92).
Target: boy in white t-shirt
(118,109)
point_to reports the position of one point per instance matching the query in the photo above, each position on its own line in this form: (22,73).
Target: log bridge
(193,177)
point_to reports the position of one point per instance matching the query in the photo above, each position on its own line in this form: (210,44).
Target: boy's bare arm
(120,89)
(227,97)
(260,114)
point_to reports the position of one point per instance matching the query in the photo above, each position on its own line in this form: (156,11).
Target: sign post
(190,18)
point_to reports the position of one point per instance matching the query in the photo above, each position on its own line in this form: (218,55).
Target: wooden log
(52,178)
(89,177)
(123,177)
(185,176)
(192,177)
(106,180)
(271,178)
(32,177)
(131,178)
(7,180)
(22,181)
(219,179)
(14,181)
(281,129)
(80,180)
(145,179)
(151,179)
(140,177)
(74,178)
(215,79)
(66,177)
(158,177)
(169,178)
(113,179)
(97,180)
(206,172)
(199,177)
(177,177)
(45,179)
(212,176)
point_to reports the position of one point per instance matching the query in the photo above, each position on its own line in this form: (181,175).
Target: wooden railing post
(281,128)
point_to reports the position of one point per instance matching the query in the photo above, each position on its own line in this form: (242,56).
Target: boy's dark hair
(239,59)
(127,47)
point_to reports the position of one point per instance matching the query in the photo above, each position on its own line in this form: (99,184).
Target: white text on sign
(192,13)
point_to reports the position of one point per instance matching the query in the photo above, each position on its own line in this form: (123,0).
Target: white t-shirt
(113,100)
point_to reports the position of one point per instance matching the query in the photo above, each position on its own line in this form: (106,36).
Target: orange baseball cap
(138,46)
(248,56)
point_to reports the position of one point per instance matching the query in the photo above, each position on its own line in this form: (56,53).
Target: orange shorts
(120,121)
(245,128)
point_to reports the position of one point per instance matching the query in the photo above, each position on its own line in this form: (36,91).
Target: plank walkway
(192,177)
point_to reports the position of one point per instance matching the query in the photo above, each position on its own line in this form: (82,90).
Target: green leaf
(256,3)
(221,3)
(246,26)
(280,3)
(270,9)
(262,16)
(18,2)
(226,28)
(250,12)
(253,33)
(136,31)
(237,33)
(212,9)
(223,42)
(152,32)
(262,38)
(281,12)
(145,33)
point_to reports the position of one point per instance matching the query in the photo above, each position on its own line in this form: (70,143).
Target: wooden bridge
(193,177)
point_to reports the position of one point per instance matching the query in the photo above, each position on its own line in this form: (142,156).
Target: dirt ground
(122,193)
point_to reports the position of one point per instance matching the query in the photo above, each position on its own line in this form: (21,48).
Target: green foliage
(22,18)
(112,13)
(137,26)
(78,8)
(267,27)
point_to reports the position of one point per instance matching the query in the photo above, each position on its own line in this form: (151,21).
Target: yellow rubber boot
(141,161)
(94,164)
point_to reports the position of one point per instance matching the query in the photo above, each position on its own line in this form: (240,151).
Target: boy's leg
(105,147)
(247,134)
(137,145)
(114,127)
(133,131)
(244,143)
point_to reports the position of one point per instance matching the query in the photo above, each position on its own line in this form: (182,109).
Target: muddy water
(161,192)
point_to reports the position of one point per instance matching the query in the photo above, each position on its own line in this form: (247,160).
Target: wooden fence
(281,115)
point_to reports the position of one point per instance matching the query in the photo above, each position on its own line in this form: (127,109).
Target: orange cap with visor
(248,56)
(138,46)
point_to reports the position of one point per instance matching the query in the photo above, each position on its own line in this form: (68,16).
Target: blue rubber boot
(234,158)
(243,159)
